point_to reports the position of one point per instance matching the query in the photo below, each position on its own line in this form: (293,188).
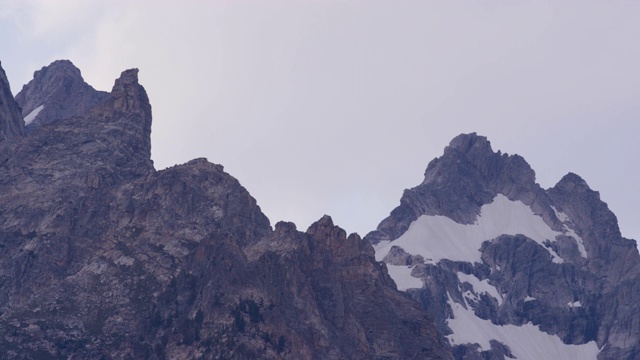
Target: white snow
(401,274)
(481,286)
(569,231)
(529,298)
(526,342)
(380,245)
(32,115)
(439,237)
(574,304)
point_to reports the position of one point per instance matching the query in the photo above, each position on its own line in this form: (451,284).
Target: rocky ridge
(105,257)
(580,284)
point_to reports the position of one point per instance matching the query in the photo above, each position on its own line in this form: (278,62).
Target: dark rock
(11,123)
(105,257)
(56,92)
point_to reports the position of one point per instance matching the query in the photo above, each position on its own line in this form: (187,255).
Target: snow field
(526,342)
(439,237)
(32,115)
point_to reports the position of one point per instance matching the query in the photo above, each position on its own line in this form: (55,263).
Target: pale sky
(335,107)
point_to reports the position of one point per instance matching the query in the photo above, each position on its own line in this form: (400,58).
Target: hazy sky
(337,106)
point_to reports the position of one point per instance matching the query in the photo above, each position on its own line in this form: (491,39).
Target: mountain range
(105,257)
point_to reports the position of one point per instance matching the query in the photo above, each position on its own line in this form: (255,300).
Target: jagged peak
(59,74)
(325,228)
(325,220)
(572,182)
(475,151)
(57,91)
(129,96)
(466,142)
(128,77)
(63,68)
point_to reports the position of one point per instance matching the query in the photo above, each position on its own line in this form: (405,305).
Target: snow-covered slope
(526,342)
(439,237)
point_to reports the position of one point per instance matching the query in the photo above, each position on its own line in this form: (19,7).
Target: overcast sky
(335,107)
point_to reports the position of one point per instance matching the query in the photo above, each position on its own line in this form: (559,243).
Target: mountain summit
(509,268)
(57,91)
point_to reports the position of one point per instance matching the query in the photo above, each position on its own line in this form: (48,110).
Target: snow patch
(529,298)
(564,219)
(32,115)
(439,237)
(380,245)
(526,342)
(574,304)
(401,274)
(481,286)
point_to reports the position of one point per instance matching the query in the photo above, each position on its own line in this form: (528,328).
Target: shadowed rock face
(57,91)
(533,287)
(105,257)
(11,123)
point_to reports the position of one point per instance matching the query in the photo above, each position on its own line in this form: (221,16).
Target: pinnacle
(469,142)
(572,181)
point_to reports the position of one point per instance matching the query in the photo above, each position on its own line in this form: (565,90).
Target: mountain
(105,257)
(57,91)
(508,268)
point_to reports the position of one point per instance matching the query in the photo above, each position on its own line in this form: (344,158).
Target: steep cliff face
(480,244)
(57,91)
(11,123)
(105,257)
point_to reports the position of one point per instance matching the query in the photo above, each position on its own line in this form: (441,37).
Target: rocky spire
(57,91)
(128,106)
(11,123)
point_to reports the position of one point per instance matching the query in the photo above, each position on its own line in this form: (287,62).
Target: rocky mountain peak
(464,143)
(58,71)
(129,95)
(57,91)
(471,155)
(469,174)
(11,123)
(527,240)
(127,112)
(572,182)
(325,231)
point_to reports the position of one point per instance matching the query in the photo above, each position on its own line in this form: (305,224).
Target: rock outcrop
(11,123)
(562,266)
(57,91)
(105,257)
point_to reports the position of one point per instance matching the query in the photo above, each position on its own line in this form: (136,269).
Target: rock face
(103,257)
(11,123)
(551,258)
(57,91)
